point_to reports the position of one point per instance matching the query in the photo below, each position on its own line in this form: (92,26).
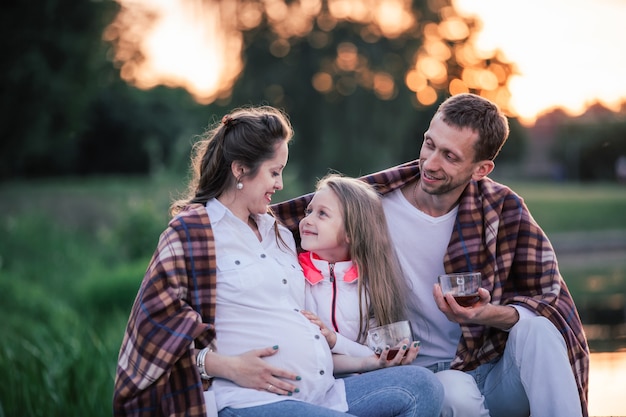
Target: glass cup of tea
(463,286)
(392,335)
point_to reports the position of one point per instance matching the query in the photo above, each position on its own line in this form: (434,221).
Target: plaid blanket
(156,372)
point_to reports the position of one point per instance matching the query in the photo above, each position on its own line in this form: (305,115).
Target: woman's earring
(239,185)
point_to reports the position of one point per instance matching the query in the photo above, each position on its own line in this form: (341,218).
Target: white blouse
(260,291)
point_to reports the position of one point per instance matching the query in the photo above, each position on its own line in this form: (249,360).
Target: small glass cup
(392,335)
(463,286)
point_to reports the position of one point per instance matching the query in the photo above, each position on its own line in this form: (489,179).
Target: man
(521,350)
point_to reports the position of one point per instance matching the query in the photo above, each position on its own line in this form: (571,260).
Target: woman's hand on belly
(249,370)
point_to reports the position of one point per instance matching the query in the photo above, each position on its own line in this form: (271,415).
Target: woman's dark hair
(248,135)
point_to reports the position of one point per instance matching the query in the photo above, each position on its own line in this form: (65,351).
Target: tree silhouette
(50,69)
(359,78)
(65,110)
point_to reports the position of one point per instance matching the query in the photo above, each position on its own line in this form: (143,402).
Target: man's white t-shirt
(421,242)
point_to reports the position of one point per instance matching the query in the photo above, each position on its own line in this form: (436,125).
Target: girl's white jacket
(335,301)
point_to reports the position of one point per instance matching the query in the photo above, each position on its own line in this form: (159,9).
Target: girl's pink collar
(314,275)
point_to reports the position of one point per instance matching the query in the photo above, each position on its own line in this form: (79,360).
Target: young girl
(353,278)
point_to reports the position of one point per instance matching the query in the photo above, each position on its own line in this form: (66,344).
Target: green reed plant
(65,293)
(53,361)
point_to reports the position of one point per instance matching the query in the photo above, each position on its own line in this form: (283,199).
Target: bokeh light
(196,44)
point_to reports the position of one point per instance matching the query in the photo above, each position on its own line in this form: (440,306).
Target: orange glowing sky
(568,52)
(181,49)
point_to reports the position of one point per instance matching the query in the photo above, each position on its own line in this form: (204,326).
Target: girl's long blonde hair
(382,288)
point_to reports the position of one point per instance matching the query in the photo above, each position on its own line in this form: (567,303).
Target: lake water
(607,384)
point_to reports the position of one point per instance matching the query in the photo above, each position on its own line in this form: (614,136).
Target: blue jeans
(401,391)
(533,377)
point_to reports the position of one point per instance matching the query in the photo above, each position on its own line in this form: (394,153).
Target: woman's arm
(345,364)
(249,370)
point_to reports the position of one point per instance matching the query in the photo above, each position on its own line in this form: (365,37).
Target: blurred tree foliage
(360,79)
(589,150)
(65,109)
(360,93)
(50,71)
(349,84)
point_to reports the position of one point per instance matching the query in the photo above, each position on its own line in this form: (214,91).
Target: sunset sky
(569,52)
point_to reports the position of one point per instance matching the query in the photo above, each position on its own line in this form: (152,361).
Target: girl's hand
(249,370)
(406,354)
(403,354)
(329,334)
(411,353)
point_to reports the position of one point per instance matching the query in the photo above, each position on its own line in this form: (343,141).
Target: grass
(73,252)
(564,207)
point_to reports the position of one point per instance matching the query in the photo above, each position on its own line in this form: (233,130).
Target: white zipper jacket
(332,294)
